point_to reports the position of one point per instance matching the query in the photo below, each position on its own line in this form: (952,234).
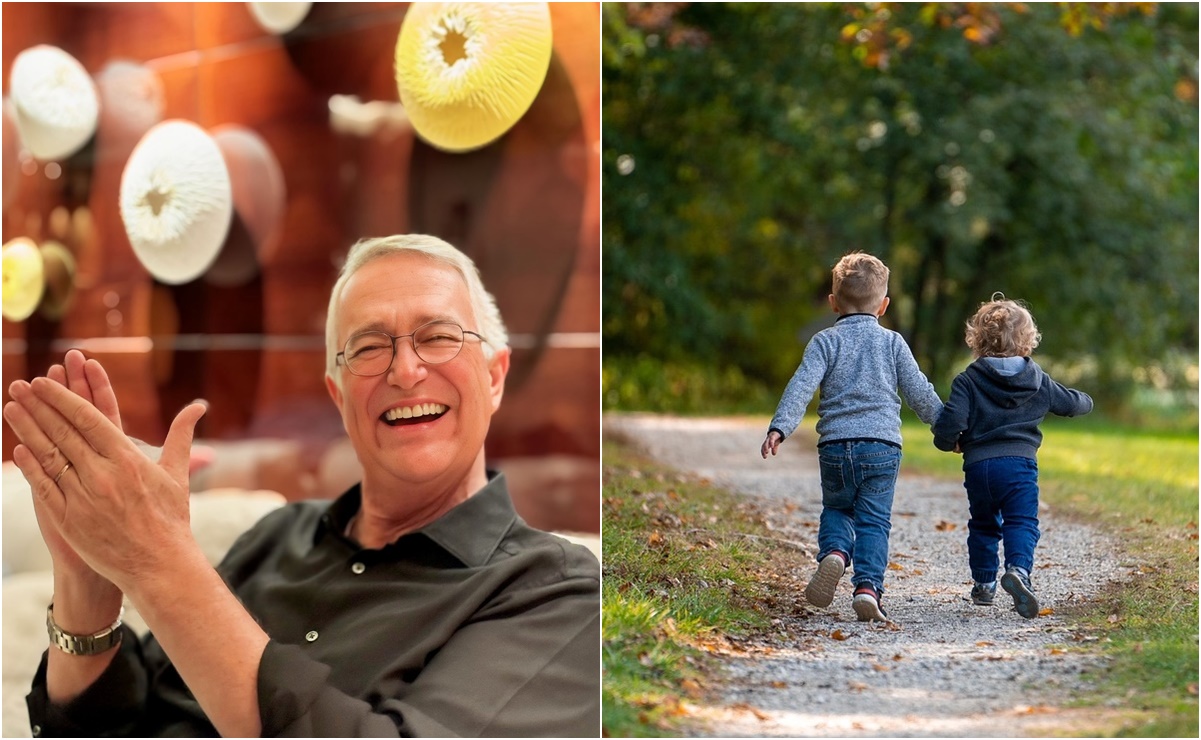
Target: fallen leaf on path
(837,635)
(944,526)
(917,572)
(880,668)
(1058,651)
(655,539)
(779,685)
(898,656)
(744,707)
(1046,611)
(1113,618)
(856,686)
(692,687)
(895,566)
(984,643)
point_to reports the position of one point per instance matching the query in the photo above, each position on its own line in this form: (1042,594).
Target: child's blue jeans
(1002,497)
(858,482)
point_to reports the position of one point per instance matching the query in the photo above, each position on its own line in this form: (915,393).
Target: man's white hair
(487,316)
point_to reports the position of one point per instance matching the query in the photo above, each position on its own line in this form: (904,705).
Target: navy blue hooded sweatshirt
(995,412)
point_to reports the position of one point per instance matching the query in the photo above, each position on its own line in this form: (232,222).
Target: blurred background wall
(248,335)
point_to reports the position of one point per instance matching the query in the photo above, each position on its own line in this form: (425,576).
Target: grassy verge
(1142,487)
(689,571)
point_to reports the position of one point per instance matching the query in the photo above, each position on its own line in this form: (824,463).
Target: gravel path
(946,668)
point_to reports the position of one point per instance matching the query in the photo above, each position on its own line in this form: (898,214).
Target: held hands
(771,443)
(114,509)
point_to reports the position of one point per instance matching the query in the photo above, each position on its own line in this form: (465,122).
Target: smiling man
(416,604)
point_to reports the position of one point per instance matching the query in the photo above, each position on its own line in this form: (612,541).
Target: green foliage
(646,384)
(748,146)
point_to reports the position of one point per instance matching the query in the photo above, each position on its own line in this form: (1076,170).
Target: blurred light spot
(53,170)
(958,198)
(880,211)
(111,299)
(863,144)
(652,40)
(877,129)
(114,318)
(29,167)
(863,36)
(987,136)
(625,164)
(952,149)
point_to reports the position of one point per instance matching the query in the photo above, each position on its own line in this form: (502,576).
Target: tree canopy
(1048,151)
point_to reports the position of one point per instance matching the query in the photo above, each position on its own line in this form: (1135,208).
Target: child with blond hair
(993,418)
(859,366)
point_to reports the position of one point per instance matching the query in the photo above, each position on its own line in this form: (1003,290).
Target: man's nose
(407,368)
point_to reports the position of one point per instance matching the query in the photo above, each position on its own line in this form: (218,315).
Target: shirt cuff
(111,705)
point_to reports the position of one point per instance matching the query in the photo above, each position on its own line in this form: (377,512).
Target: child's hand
(771,443)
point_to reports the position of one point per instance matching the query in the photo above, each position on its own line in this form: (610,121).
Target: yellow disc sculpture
(24,280)
(468,71)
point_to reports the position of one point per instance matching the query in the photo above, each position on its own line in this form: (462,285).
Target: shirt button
(311,636)
(358,568)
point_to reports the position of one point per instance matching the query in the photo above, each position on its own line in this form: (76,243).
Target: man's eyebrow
(387,329)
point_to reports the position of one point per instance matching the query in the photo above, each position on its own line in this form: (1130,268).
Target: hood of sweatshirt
(1002,386)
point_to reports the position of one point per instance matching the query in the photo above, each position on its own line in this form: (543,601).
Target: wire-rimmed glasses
(372,352)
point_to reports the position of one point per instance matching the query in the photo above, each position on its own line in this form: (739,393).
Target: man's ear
(498,368)
(334,391)
(883,307)
(833,303)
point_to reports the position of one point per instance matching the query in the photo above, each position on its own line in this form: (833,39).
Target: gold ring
(62,472)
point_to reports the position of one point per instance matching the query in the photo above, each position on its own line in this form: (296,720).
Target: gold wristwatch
(93,644)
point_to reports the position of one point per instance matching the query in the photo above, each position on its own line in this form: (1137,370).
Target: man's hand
(114,507)
(771,443)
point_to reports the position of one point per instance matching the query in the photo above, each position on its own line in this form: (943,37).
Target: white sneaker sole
(867,609)
(821,588)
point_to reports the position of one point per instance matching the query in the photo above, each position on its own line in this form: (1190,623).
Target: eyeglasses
(372,352)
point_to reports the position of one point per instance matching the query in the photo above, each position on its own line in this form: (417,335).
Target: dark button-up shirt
(475,625)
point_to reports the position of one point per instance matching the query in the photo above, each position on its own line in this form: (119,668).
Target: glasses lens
(438,342)
(369,353)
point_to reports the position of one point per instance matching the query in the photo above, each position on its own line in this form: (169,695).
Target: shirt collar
(857,317)
(471,531)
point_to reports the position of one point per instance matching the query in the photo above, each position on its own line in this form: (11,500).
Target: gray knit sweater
(859,366)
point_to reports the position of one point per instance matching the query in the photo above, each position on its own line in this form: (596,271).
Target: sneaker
(1017,582)
(820,591)
(867,605)
(983,593)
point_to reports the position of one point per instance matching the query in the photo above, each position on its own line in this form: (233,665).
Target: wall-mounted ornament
(468,71)
(279,18)
(259,198)
(55,100)
(133,101)
(176,201)
(23,278)
(11,158)
(58,270)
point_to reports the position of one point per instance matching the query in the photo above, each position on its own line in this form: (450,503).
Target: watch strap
(93,644)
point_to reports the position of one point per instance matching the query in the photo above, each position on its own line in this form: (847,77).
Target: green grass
(687,567)
(1142,487)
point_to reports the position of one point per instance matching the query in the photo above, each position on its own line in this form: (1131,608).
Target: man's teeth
(408,412)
